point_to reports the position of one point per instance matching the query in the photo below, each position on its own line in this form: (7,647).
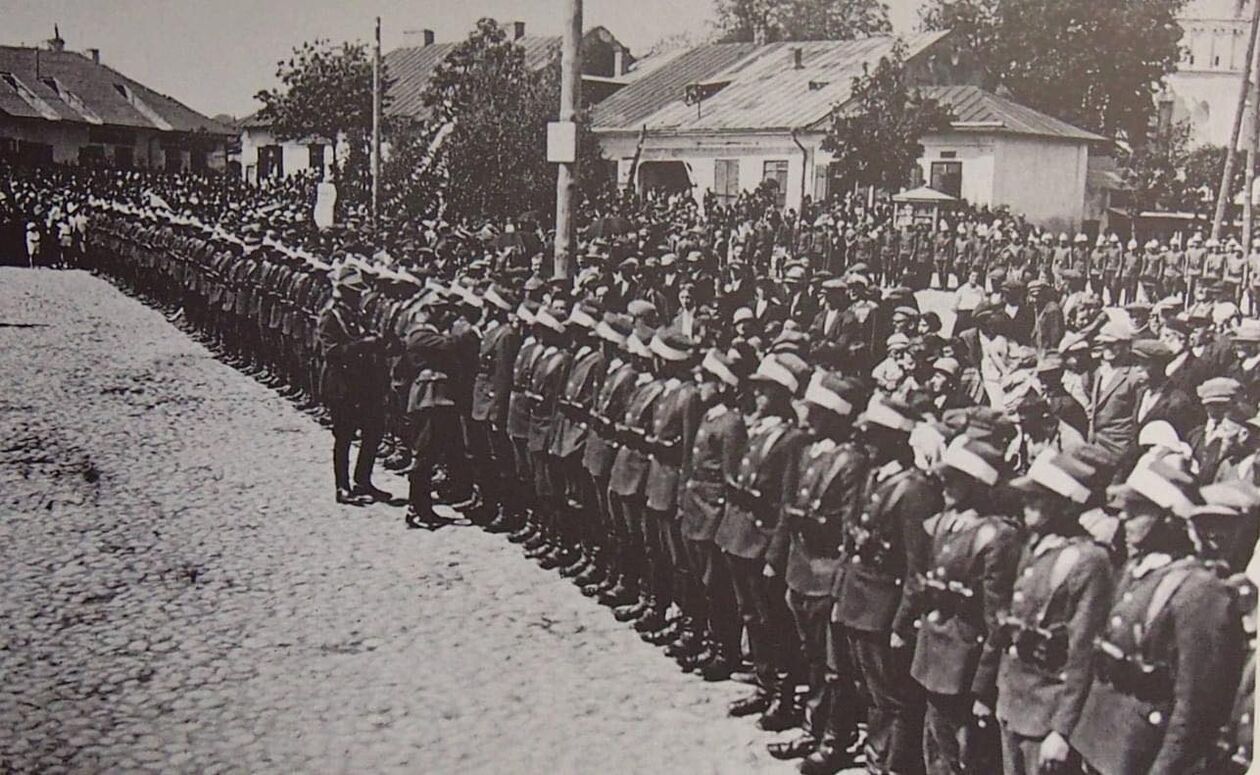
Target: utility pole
(1231,153)
(570,99)
(376,127)
(1253,138)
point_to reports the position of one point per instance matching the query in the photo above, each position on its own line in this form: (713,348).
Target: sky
(214,55)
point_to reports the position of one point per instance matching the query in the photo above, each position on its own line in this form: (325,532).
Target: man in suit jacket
(1163,399)
(1216,438)
(1117,385)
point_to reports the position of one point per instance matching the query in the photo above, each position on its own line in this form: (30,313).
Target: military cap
(1227,499)
(548,320)
(974,457)
(796,274)
(637,341)
(742,314)
(1164,482)
(1060,473)
(671,344)
(615,328)
(640,308)
(834,284)
(719,364)
(888,412)
(790,341)
(585,314)
(1248,330)
(783,369)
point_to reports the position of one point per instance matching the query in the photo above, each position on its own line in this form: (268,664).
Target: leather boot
(687,643)
(539,538)
(631,611)
(667,633)
(577,567)
(619,594)
(719,669)
(593,574)
(559,557)
(538,546)
(827,759)
(650,621)
(798,747)
(526,531)
(502,521)
(757,702)
(783,712)
(701,659)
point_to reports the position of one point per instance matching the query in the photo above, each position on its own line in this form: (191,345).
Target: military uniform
(1168,653)
(674,420)
(492,388)
(353,387)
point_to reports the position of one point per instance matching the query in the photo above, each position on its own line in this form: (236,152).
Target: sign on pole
(561,142)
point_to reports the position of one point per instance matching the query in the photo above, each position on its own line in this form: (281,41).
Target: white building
(725,117)
(64,107)
(1204,90)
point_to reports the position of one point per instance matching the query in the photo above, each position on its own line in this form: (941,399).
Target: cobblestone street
(181,593)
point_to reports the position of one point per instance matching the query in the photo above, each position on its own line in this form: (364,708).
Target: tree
(1094,64)
(1166,174)
(874,138)
(482,153)
(326,92)
(777,20)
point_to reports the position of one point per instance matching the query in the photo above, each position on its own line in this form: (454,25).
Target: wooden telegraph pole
(376,126)
(562,142)
(1253,139)
(1231,153)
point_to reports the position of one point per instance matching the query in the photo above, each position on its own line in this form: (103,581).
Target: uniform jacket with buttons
(715,455)
(522,372)
(628,475)
(493,385)
(614,389)
(881,597)
(546,381)
(1060,582)
(827,496)
(768,471)
(354,364)
(430,358)
(674,422)
(579,389)
(958,648)
(1197,635)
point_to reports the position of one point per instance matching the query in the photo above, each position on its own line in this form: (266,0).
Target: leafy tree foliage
(1166,174)
(326,92)
(875,137)
(482,153)
(1094,64)
(739,20)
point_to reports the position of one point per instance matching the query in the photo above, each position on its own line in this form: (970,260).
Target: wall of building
(1204,90)
(296,154)
(1042,179)
(975,152)
(149,148)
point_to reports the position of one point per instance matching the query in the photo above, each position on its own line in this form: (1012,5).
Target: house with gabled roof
(410,68)
(724,117)
(67,107)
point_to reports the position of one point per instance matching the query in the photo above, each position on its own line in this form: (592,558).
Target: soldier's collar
(1048,543)
(821,447)
(615,363)
(673,383)
(888,469)
(1148,563)
(583,351)
(528,340)
(644,378)
(716,411)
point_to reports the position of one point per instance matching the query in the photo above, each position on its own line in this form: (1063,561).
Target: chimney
(57,43)
(518,30)
(428,37)
(619,61)
(95,53)
(797,64)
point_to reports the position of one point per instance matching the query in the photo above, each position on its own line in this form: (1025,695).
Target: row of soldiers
(950,615)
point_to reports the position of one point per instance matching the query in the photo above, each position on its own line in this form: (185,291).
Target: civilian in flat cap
(1213,441)
(1163,398)
(1115,389)
(353,386)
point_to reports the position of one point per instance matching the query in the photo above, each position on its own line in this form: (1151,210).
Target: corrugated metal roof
(764,90)
(974,105)
(71,87)
(411,68)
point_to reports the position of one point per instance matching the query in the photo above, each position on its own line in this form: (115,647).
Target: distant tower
(57,43)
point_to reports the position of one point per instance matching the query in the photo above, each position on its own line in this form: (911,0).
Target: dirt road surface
(180,592)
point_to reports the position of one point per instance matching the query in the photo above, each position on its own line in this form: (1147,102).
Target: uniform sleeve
(1001,558)
(914,505)
(1091,604)
(777,552)
(692,413)
(1207,642)
(734,442)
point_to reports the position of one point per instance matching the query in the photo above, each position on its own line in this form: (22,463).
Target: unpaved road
(180,592)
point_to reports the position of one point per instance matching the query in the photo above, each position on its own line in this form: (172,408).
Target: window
(949,154)
(270,161)
(822,174)
(777,171)
(123,91)
(316,160)
(947,177)
(726,180)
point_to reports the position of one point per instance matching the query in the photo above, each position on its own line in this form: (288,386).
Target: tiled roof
(754,88)
(411,68)
(69,86)
(988,112)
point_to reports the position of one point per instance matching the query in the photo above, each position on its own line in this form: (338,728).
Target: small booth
(922,205)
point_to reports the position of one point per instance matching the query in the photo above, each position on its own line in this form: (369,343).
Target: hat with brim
(1227,499)
(671,345)
(742,314)
(549,321)
(977,459)
(1057,474)
(717,364)
(774,370)
(614,328)
(1219,390)
(889,413)
(827,391)
(1151,351)
(637,342)
(948,366)
(640,308)
(1162,484)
